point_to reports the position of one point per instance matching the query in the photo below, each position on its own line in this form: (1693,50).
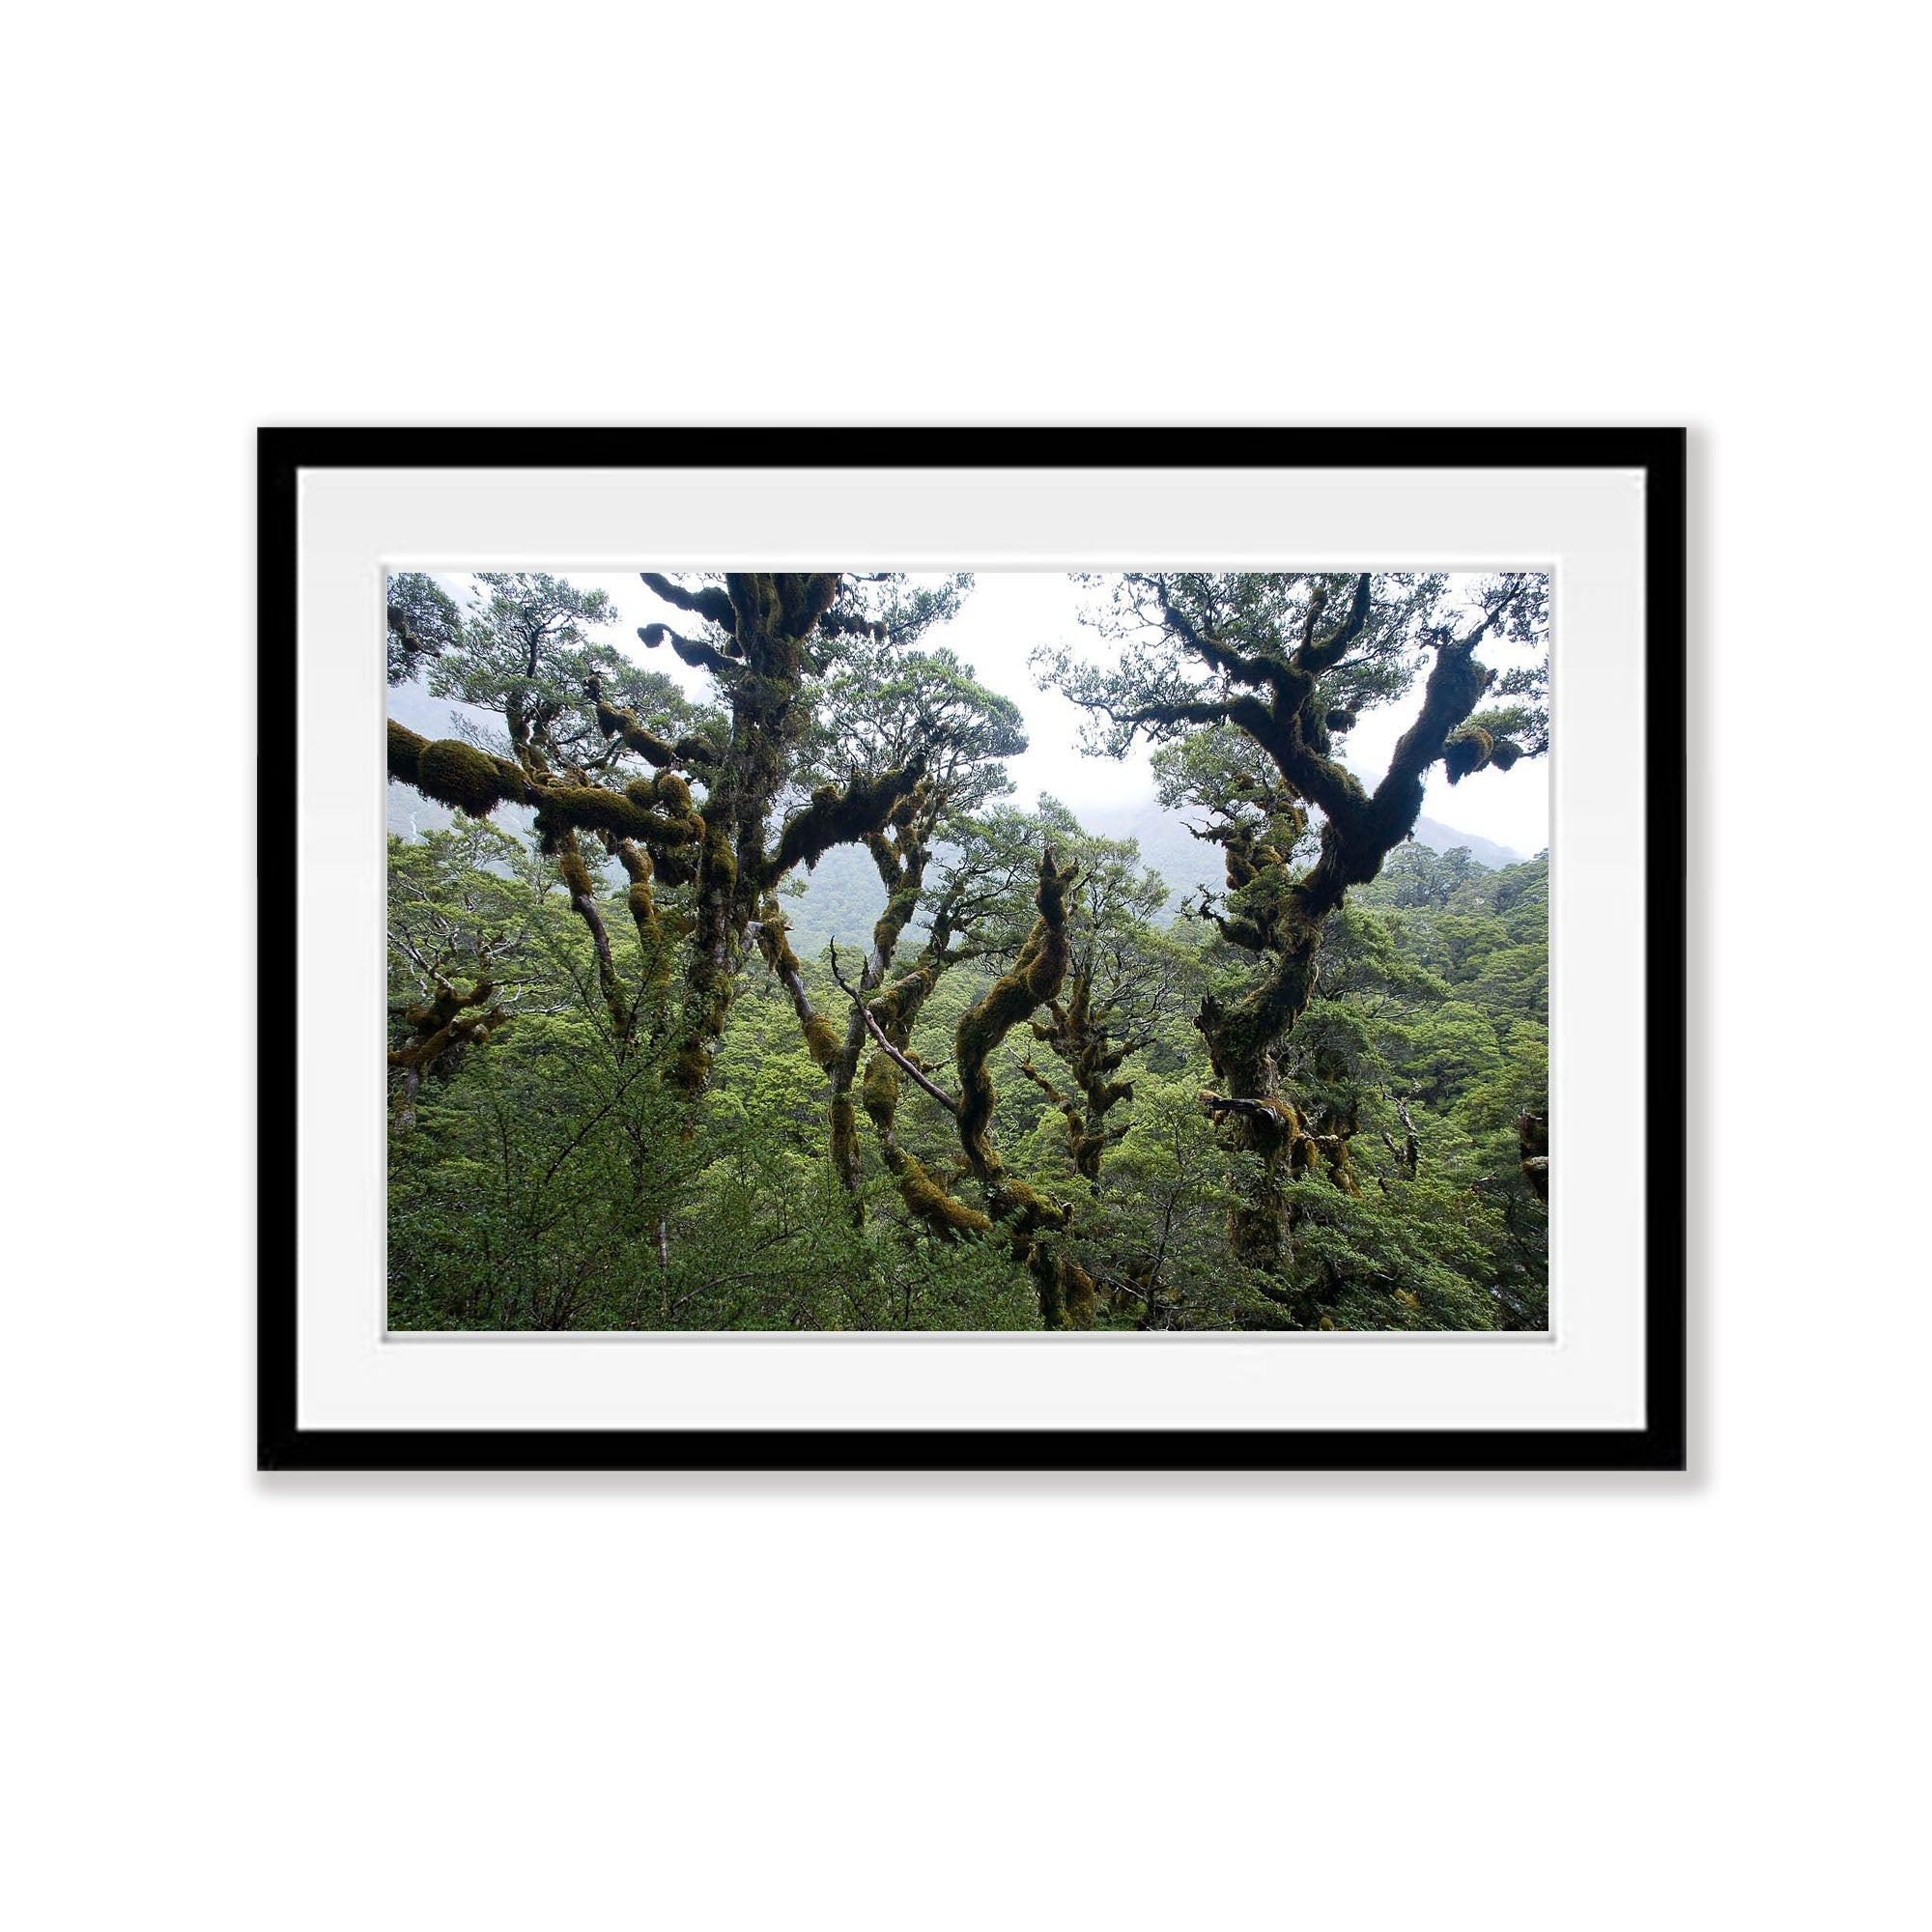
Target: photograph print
(820,952)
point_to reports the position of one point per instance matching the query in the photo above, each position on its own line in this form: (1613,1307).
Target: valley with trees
(734,986)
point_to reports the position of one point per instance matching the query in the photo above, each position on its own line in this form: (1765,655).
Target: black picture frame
(1660,1445)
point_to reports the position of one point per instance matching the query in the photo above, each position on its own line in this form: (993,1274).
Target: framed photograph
(971,948)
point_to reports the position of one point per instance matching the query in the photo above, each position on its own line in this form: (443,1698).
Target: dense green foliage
(531,1189)
(636,1084)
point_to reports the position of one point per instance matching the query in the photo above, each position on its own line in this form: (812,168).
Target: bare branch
(878,1033)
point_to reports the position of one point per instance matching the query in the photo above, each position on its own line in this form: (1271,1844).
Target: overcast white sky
(1008,613)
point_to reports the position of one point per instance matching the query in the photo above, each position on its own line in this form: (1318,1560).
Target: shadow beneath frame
(1051,1486)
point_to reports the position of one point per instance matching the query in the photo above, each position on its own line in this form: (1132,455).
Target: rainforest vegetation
(1023,1081)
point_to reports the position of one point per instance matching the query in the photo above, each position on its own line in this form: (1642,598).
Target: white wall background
(1333,1703)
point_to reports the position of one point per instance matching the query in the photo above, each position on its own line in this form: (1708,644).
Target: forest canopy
(734,985)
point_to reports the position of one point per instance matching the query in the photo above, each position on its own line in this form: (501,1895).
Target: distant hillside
(1440,837)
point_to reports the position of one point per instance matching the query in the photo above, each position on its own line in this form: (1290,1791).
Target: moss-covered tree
(1258,679)
(598,749)
(1032,1221)
(1124,979)
(884,707)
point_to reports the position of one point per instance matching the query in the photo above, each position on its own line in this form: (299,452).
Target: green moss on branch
(835,817)
(457,775)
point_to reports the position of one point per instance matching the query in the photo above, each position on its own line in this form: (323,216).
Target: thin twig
(892,1052)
